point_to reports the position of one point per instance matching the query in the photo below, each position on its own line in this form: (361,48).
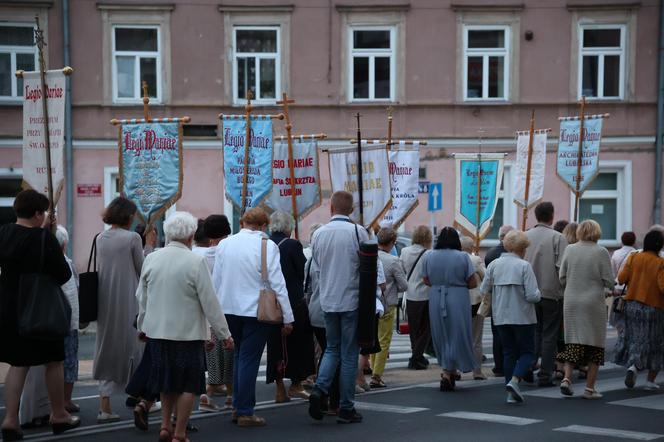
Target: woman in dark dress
(20,252)
(299,345)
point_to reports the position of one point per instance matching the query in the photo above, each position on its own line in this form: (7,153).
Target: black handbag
(88,287)
(43,309)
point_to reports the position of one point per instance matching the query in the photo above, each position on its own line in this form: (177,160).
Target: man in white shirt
(335,249)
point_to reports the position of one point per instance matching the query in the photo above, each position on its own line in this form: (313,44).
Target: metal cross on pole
(291,166)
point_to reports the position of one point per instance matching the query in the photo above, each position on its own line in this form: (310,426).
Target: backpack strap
(412,269)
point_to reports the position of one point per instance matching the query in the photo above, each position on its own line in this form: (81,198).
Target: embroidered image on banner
(466,204)
(404,180)
(307,177)
(259,167)
(375,177)
(537,169)
(568,151)
(35,171)
(151,166)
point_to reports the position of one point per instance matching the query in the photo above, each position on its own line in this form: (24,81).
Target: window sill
(378,102)
(485,102)
(135,103)
(610,100)
(12,102)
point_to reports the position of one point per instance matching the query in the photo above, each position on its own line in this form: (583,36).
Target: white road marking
(609,432)
(654,402)
(399,409)
(493,418)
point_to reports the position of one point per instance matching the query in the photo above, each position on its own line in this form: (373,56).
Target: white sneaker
(510,399)
(592,394)
(630,377)
(513,389)
(156,407)
(651,386)
(107,418)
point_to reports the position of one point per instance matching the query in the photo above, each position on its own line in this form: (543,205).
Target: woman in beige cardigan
(585,274)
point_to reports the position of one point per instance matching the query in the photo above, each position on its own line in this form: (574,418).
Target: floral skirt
(581,355)
(641,340)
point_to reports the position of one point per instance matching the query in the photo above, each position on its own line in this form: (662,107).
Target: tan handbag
(269,310)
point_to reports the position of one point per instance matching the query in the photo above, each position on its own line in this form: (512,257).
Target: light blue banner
(151,166)
(568,151)
(488,190)
(259,170)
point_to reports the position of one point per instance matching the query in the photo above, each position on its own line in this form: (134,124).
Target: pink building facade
(453,72)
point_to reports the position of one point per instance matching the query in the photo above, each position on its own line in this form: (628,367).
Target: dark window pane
(371,39)
(246,76)
(10,187)
(486,39)
(17,36)
(200,130)
(25,62)
(268,79)
(604,211)
(130,39)
(497,220)
(474,77)
(7,215)
(6,74)
(601,38)
(423,173)
(589,85)
(360,77)
(149,75)
(605,181)
(496,77)
(382,77)
(611,75)
(256,40)
(125,80)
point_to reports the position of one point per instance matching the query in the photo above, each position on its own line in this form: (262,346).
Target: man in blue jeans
(335,249)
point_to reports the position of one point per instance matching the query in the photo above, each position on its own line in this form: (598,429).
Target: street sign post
(435,202)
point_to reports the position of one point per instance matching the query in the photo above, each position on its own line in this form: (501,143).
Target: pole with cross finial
(529,168)
(291,166)
(579,159)
(247,142)
(360,183)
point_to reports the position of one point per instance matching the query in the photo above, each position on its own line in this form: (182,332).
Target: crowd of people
(545,291)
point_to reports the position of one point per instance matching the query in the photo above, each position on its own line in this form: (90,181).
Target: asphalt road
(412,408)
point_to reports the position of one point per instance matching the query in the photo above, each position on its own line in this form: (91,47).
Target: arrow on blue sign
(435,197)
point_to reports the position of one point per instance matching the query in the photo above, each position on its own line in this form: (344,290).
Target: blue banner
(151,166)
(568,151)
(259,167)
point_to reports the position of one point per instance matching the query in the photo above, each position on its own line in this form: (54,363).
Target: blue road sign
(435,197)
(423,187)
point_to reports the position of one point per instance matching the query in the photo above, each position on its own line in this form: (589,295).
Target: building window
(372,63)
(506,212)
(602,60)
(256,63)
(17,52)
(10,186)
(486,62)
(136,58)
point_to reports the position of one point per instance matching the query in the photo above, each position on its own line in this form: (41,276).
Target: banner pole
(146,102)
(247,140)
(526,194)
(389,128)
(479,195)
(284,103)
(39,41)
(577,193)
(360,188)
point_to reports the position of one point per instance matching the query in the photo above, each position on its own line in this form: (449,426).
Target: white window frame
(622,194)
(138,92)
(9,173)
(601,53)
(371,54)
(485,53)
(13,50)
(509,208)
(257,56)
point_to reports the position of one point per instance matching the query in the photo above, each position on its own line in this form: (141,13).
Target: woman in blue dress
(450,273)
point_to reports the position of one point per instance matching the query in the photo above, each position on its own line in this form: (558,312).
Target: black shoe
(529,377)
(367,371)
(423,360)
(349,417)
(61,427)
(316,404)
(497,372)
(417,365)
(9,434)
(131,402)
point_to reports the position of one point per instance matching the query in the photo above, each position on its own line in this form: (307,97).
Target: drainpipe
(69,148)
(657,210)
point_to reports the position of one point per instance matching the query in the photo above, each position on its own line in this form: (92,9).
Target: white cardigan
(175,297)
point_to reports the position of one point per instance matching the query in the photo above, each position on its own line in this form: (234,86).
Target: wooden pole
(577,193)
(146,101)
(389,128)
(291,166)
(40,42)
(526,193)
(360,186)
(247,140)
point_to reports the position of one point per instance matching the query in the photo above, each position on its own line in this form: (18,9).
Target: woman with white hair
(176,301)
(511,283)
(295,352)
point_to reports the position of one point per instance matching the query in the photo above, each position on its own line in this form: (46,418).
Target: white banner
(537,169)
(307,177)
(35,172)
(404,180)
(377,196)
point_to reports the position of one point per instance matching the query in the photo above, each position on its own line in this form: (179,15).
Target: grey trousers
(549,320)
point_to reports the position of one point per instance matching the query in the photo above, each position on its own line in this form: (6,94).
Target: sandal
(141,416)
(446,384)
(165,435)
(566,387)
(207,405)
(377,382)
